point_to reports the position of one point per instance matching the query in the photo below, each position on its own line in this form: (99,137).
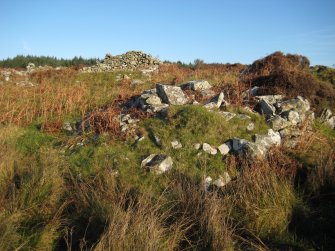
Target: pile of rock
(287,117)
(127,123)
(158,99)
(131,60)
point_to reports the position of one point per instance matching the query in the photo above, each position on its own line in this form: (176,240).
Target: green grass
(60,191)
(32,140)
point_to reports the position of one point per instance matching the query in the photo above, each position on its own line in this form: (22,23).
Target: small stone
(227,115)
(176,144)
(124,128)
(243,116)
(157,140)
(67,127)
(208,149)
(330,122)
(222,180)
(197,146)
(157,163)
(136,82)
(208,182)
(251,127)
(225,148)
(139,138)
(325,115)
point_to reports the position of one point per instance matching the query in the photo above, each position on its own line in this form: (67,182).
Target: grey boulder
(170,94)
(157,163)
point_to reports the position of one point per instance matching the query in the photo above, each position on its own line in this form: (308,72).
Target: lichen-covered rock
(157,163)
(271,99)
(277,123)
(150,101)
(265,141)
(298,104)
(292,116)
(170,94)
(266,108)
(290,132)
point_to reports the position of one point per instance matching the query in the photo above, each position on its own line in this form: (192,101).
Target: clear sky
(224,31)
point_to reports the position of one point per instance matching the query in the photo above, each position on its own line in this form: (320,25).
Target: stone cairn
(131,60)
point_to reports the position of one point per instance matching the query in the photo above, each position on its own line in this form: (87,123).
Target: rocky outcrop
(286,114)
(131,60)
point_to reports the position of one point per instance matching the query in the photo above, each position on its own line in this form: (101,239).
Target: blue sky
(212,30)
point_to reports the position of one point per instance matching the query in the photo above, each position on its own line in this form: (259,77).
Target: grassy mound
(290,75)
